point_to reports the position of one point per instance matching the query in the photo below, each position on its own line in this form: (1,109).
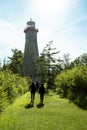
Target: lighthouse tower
(31,49)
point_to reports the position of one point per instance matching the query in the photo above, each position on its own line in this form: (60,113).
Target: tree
(42,68)
(66,61)
(5,64)
(79,61)
(15,62)
(49,66)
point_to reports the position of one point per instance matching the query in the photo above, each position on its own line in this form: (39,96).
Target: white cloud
(55,20)
(52,7)
(49,15)
(10,38)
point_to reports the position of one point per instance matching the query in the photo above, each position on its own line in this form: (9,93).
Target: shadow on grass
(29,106)
(40,105)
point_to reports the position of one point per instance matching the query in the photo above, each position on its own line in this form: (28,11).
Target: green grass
(56,114)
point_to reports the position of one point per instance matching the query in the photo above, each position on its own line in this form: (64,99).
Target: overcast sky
(62,21)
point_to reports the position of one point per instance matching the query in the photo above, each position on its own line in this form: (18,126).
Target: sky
(62,21)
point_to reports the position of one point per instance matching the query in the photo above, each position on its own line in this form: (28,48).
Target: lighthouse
(31,50)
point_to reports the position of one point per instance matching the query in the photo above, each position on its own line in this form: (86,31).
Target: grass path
(56,114)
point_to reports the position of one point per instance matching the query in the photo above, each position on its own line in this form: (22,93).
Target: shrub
(72,84)
(11,85)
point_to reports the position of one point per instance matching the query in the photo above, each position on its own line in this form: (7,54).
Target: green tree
(49,66)
(79,61)
(42,68)
(15,62)
(66,61)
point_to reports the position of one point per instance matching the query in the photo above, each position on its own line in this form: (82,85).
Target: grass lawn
(56,114)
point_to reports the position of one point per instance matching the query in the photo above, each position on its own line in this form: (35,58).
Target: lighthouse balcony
(30,29)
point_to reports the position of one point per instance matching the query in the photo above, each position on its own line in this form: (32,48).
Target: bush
(72,84)
(11,85)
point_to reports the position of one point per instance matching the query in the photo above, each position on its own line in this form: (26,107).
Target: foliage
(80,61)
(49,66)
(72,84)
(11,85)
(66,62)
(15,62)
(42,68)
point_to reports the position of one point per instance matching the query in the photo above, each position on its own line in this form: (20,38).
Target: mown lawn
(56,114)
